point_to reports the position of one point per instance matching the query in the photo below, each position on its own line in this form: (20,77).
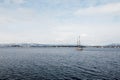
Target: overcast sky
(60,21)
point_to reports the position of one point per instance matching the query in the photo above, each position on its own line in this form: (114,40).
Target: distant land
(27,45)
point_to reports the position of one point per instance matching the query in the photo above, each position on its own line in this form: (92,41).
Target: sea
(59,64)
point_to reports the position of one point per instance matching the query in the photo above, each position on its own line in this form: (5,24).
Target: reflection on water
(59,64)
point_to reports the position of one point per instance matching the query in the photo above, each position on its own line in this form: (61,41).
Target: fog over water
(59,64)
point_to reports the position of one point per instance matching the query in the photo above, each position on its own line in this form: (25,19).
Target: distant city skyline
(60,21)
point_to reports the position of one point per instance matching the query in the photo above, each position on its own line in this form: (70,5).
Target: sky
(60,21)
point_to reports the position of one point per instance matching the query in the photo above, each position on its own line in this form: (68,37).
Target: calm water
(59,64)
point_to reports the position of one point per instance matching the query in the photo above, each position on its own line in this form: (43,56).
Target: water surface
(59,64)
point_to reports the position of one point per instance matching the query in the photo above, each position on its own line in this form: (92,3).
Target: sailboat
(79,47)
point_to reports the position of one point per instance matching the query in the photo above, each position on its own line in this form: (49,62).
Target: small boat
(79,47)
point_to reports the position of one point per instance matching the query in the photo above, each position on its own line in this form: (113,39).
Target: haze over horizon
(60,21)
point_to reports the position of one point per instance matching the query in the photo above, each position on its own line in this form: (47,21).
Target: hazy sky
(60,21)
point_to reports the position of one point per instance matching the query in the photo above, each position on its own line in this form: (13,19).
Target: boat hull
(79,49)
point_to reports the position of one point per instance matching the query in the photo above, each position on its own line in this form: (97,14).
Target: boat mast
(78,42)
(79,47)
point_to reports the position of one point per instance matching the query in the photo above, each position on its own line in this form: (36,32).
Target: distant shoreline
(57,47)
(50,45)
